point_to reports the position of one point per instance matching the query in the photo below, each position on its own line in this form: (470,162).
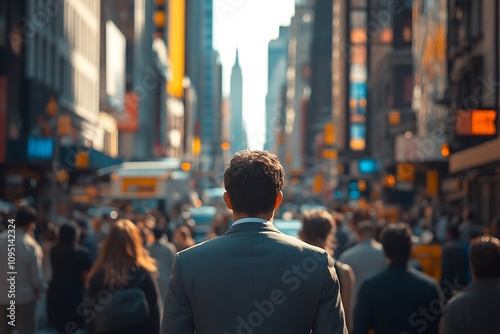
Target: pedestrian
(183,238)
(318,229)
(400,299)
(366,258)
(123,265)
(70,265)
(29,282)
(476,309)
(163,252)
(253,279)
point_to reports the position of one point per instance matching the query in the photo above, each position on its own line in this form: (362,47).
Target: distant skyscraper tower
(238,132)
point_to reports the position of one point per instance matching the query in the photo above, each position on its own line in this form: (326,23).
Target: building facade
(50,76)
(276,78)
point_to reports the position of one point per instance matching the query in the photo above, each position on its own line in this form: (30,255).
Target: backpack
(127,308)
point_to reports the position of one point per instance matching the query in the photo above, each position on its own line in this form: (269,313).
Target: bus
(151,185)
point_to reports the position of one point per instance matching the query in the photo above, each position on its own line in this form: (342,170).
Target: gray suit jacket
(253,279)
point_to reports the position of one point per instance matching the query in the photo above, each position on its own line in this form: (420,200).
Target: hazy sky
(249,25)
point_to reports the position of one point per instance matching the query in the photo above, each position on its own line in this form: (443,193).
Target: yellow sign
(406,172)
(329,134)
(196,146)
(177,46)
(82,160)
(136,185)
(330,154)
(432,182)
(318,184)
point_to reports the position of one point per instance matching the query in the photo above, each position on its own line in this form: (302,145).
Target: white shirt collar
(250,220)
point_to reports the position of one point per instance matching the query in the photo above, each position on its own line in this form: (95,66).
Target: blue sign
(358,90)
(354,195)
(368,166)
(40,148)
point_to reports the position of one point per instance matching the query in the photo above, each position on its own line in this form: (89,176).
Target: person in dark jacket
(400,299)
(253,279)
(475,310)
(70,263)
(454,265)
(123,263)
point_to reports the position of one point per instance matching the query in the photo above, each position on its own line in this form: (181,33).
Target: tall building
(52,132)
(238,132)
(390,121)
(320,104)
(202,72)
(298,86)
(473,55)
(276,78)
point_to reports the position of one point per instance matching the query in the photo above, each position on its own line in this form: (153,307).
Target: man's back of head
(253,182)
(485,258)
(25,217)
(396,240)
(366,230)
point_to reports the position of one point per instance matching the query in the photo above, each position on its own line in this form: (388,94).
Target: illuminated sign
(368,166)
(476,123)
(141,186)
(176,46)
(40,148)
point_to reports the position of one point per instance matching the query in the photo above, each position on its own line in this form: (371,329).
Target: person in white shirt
(29,282)
(366,258)
(163,252)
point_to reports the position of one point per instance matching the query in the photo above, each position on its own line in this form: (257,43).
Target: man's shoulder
(279,240)
(357,250)
(423,280)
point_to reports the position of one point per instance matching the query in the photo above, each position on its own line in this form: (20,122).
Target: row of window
(80,36)
(48,65)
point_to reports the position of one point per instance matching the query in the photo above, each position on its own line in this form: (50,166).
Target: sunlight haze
(235,26)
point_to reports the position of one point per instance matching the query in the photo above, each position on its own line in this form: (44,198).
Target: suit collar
(257,226)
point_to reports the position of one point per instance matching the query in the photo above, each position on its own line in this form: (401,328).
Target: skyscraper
(238,133)
(276,79)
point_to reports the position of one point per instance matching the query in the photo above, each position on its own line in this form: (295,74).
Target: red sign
(3,118)
(129,122)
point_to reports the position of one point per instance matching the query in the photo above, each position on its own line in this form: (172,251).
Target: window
(42,58)
(474,19)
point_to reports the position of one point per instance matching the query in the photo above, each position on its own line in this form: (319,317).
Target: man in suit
(475,310)
(253,279)
(400,299)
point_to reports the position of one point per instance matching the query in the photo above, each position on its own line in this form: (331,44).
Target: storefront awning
(85,158)
(477,156)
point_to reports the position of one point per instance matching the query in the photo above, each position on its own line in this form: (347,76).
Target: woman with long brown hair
(123,264)
(318,229)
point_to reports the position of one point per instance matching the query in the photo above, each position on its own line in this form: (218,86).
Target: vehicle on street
(289,227)
(203,218)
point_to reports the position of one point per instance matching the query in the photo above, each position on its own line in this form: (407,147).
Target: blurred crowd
(386,269)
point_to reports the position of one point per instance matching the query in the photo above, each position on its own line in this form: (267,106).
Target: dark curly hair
(253,181)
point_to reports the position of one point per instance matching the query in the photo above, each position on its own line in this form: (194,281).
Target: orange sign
(483,122)
(476,123)
(145,185)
